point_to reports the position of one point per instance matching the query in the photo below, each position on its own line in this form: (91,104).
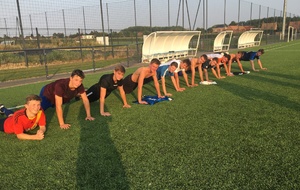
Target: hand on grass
(143,102)
(90,118)
(126,106)
(39,135)
(105,114)
(65,126)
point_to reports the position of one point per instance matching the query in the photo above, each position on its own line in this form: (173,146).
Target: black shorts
(93,93)
(128,85)
(2,124)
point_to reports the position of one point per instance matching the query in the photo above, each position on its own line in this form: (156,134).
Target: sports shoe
(1,106)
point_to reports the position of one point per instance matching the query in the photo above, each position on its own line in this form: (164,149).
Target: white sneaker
(1,106)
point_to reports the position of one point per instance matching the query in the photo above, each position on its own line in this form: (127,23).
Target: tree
(233,23)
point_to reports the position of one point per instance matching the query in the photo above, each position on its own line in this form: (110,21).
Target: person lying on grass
(107,83)
(141,76)
(62,91)
(24,120)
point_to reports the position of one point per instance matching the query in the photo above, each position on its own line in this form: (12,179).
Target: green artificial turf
(242,133)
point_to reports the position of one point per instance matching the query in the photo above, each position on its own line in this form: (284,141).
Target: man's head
(185,64)
(260,52)
(154,64)
(76,78)
(33,104)
(173,66)
(119,72)
(214,61)
(239,54)
(202,58)
(226,58)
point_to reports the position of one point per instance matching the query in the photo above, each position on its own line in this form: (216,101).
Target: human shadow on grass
(286,76)
(255,94)
(99,164)
(274,81)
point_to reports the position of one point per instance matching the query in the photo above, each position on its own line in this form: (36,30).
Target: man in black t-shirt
(107,83)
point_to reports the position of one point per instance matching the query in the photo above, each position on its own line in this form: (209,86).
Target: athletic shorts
(128,85)
(93,93)
(2,124)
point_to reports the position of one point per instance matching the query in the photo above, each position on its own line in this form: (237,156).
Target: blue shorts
(45,104)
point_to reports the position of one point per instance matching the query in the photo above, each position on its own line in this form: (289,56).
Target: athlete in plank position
(108,83)
(140,77)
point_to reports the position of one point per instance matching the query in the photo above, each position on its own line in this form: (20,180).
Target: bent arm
(24,136)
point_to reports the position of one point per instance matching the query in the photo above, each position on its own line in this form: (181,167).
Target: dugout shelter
(250,38)
(222,41)
(166,45)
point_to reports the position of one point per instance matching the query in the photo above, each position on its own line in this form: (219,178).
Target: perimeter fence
(39,32)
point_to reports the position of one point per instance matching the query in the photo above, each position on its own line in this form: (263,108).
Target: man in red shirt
(25,120)
(62,91)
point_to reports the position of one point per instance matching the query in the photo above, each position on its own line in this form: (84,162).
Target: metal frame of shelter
(166,45)
(221,43)
(250,38)
(291,33)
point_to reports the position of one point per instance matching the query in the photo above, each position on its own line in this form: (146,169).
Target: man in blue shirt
(167,70)
(250,56)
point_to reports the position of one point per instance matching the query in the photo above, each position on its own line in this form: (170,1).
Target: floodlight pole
(101,12)
(284,18)
(22,33)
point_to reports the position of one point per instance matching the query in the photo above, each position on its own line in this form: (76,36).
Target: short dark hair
(120,68)
(204,56)
(262,51)
(241,52)
(78,72)
(155,61)
(215,59)
(187,62)
(33,97)
(174,63)
(227,56)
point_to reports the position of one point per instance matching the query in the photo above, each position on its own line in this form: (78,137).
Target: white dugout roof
(250,38)
(165,45)
(222,41)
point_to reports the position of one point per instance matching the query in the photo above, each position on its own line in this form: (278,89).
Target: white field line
(284,46)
